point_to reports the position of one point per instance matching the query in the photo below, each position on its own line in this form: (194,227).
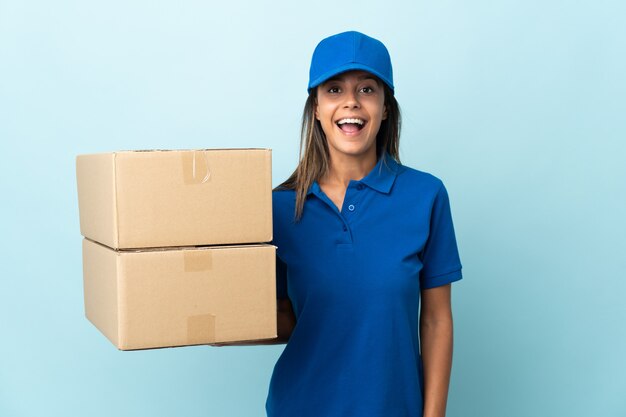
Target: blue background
(519,106)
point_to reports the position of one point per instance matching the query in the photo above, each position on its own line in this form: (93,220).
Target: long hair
(314,158)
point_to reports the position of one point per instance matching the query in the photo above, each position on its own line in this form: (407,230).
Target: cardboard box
(154,298)
(144,199)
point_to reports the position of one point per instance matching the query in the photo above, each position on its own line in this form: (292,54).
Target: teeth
(356,121)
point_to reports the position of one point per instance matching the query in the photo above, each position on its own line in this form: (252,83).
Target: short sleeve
(281,279)
(440,256)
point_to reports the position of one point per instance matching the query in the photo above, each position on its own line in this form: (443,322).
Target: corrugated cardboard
(146,199)
(180,296)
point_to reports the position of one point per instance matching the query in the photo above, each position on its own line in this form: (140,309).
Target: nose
(351,100)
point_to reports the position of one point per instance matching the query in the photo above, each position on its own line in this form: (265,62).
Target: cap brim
(344,68)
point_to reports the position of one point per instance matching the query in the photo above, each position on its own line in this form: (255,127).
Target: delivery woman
(361,239)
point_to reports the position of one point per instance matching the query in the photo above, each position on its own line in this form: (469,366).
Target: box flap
(199,296)
(181,198)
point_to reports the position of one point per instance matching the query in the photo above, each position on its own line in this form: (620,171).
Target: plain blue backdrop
(519,106)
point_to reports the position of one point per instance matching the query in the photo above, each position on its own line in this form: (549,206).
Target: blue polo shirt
(354,278)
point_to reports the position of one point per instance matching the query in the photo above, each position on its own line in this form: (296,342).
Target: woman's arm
(286,320)
(436,347)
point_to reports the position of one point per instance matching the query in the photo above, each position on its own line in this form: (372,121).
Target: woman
(359,239)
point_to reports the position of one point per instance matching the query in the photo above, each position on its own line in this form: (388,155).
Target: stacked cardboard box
(173,253)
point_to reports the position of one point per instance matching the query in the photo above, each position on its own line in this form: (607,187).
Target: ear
(384,113)
(317,116)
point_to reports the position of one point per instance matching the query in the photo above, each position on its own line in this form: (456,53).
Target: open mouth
(351,125)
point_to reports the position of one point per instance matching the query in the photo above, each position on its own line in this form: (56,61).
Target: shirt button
(351,207)
(345,228)
(360,187)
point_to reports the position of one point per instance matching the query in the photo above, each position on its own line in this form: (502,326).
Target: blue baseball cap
(349,51)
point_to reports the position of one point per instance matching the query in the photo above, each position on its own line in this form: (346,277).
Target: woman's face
(350,108)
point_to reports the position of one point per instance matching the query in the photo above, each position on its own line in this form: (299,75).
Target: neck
(344,168)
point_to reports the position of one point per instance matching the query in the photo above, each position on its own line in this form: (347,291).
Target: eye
(367,90)
(333,90)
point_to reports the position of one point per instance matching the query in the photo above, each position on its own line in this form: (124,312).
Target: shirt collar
(380,178)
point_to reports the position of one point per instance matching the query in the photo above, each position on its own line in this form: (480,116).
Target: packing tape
(197,260)
(201,329)
(195,167)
